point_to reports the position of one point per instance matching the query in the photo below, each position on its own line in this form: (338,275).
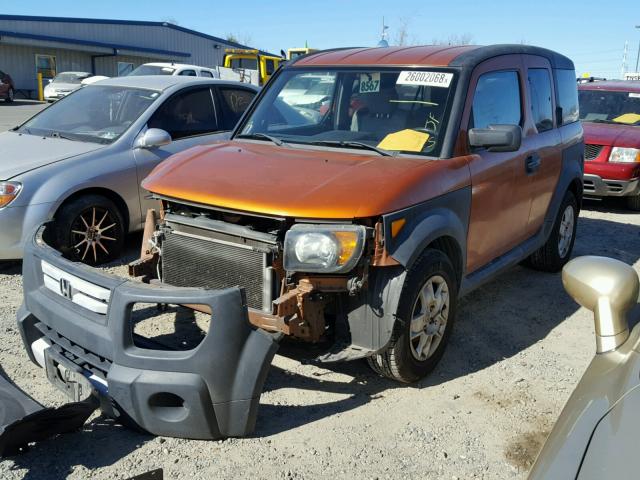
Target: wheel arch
(104,192)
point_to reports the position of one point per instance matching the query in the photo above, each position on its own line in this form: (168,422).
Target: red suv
(610,114)
(7,88)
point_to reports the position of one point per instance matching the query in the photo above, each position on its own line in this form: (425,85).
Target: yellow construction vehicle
(252,60)
(293,53)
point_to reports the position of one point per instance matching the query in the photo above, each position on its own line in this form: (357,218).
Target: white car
(174,69)
(63,84)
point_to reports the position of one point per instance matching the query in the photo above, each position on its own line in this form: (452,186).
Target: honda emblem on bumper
(65,288)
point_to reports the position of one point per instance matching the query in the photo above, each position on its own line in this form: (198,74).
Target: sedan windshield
(602,106)
(92,114)
(378,110)
(70,77)
(151,70)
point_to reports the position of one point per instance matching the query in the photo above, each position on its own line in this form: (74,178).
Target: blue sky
(592,33)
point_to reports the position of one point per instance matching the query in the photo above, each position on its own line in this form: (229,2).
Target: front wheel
(90,229)
(554,254)
(425,316)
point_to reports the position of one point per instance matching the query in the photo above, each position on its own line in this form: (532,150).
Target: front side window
(398,110)
(602,106)
(540,96)
(46,65)
(496,100)
(186,114)
(206,73)
(270,65)
(234,102)
(93,114)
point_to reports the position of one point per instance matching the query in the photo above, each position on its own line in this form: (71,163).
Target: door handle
(532,163)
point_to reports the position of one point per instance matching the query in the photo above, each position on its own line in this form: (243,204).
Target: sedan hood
(294,182)
(20,153)
(611,135)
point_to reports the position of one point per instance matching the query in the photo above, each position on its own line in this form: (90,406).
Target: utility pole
(624,59)
(638,56)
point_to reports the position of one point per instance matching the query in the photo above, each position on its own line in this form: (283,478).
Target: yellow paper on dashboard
(407,140)
(628,118)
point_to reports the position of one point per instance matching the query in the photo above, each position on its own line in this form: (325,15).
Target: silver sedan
(80,161)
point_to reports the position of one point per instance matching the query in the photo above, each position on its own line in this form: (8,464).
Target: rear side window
(186,114)
(188,73)
(540,95)
(567,96)
(206,73)
(271,66)
(496,100)
(234,102)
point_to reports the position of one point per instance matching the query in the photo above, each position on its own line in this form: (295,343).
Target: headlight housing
(624,155)
(8,192)
(323,248)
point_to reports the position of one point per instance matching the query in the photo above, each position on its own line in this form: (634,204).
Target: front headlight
(624,155)
(8,192)
(323,248)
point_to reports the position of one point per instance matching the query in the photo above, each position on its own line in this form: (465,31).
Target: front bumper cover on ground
(209,392)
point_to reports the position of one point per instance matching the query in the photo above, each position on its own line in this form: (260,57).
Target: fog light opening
(168,406)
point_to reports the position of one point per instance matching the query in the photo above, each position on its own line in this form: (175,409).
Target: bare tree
(455,39)
(402,34)
(244,39)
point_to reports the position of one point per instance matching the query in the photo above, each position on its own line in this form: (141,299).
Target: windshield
(151,70)
(92,114)
(392,109)
(602,106)
(70,78)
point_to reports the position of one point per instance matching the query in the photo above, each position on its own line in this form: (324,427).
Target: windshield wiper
(350,144)
(61,135)
(260,136)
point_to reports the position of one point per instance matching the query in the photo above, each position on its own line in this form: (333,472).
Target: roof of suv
(612,86)
(432,55)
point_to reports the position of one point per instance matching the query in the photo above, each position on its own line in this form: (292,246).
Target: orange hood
(299,182)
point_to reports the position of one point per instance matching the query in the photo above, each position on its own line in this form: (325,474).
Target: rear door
(541,138)
(500,197)
(189,116)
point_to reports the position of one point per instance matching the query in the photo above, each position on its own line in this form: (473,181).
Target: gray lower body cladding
(208,392)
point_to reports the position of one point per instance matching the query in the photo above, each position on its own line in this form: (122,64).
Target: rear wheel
(425,317)
(633,203)
(10,96)
(90,229)
(554,254)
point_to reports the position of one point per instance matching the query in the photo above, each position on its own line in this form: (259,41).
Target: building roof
(91,43)
(142,23)
(612,86)
(162,82)
(431,55)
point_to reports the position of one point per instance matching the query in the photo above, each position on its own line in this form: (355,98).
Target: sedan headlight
(624,155)
(8,192)
(323,248)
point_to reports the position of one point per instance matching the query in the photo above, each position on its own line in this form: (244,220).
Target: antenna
(383,36)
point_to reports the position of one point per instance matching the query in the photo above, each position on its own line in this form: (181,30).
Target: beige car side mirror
(607,287)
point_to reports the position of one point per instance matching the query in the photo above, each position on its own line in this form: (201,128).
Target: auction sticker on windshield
(370,82)
(429,79)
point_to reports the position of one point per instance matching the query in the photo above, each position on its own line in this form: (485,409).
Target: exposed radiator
(194,261)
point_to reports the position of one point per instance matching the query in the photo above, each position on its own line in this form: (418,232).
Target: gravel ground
(519,347)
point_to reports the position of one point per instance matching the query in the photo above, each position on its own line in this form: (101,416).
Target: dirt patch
(523,449)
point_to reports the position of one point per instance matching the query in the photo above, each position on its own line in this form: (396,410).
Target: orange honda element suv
(362,193)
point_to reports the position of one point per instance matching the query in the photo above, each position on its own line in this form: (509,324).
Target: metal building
(51,45)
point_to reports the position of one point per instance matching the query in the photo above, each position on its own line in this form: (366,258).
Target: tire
(10,96)
(554,254)
(90,229)
(403,359)
(633,203)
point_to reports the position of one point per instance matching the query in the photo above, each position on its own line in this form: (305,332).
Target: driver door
(190,118)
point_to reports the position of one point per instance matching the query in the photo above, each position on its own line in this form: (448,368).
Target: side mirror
(607,287)
(497,138)
(153,138)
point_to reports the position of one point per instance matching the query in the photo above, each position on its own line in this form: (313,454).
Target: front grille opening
(169,327)
(615,187)
(592,151)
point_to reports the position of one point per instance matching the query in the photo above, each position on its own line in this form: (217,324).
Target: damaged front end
(79,324)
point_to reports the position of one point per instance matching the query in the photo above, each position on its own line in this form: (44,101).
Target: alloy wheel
(92,234)
(429,318)
(566,231)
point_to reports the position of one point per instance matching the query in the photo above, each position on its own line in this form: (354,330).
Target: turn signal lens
(8,192)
